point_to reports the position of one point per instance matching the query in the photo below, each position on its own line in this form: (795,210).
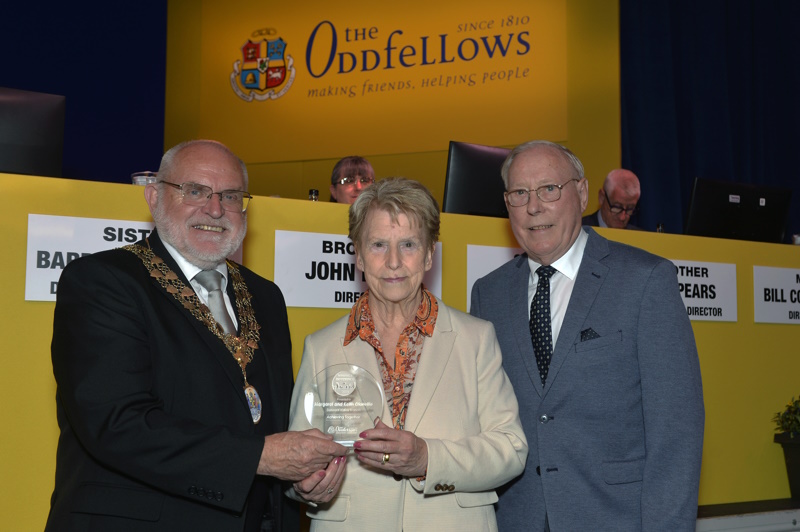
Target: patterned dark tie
(541,332)
(211,280)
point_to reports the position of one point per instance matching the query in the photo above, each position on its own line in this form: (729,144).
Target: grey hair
(397,195)
(168,160)
(570,157)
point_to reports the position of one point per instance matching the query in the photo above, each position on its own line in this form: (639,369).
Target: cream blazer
(462,405)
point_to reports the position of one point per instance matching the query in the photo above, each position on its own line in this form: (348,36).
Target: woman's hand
(322,486)
(398,451)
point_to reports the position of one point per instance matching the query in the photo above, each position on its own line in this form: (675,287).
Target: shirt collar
(361,324)
(600,221)
(569,263)
(189,269)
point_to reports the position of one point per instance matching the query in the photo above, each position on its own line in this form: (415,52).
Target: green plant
(789,419)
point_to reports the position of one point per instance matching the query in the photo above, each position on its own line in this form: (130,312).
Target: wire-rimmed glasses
(520,197)
(351,180)
(198,195)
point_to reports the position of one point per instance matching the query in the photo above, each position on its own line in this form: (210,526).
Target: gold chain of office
(242,346)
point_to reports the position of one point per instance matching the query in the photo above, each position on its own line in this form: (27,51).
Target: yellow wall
(740,462)
(593,110)
(749,370)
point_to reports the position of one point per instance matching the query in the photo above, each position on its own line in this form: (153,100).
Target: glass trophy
(345,401)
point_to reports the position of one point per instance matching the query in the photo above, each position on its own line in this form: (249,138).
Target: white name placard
(55,241)
(482,260)
(319,270)
(708,290)
(776,295)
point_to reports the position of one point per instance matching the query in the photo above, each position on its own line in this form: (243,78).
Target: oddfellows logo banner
(263,72)
(318,79)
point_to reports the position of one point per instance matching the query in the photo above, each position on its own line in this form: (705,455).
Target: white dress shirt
(600,221)
(561,283)
(190,270)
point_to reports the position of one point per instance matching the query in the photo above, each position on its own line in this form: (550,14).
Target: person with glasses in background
(602,357)
(618,199)
(350,176)
(174,372)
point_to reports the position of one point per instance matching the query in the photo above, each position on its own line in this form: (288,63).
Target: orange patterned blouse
(398,378)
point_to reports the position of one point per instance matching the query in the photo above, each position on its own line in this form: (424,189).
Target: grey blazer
(615,437)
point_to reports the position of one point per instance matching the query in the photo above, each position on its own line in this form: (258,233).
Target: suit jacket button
(451,487)
(438,487)
(543,418)
(192,491)
(201,492)
(219,496)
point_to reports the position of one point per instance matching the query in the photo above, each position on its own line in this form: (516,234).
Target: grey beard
(169,231)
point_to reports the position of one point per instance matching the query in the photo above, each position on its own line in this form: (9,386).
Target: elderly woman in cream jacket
(448,432)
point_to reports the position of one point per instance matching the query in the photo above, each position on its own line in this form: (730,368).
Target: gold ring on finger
(385,459)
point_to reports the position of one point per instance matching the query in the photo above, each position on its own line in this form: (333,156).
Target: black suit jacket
(156,433)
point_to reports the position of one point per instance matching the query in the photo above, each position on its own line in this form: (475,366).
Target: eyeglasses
(547,193)
(198,195)
(616,209)
(351,179)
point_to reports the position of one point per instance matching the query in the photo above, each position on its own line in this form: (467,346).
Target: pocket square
(588,334)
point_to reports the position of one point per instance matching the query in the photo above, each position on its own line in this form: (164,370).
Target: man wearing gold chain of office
(174,371)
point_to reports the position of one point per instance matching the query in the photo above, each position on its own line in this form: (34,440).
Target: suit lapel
(520,317)
(215,346)
(232,296)
(436,352)
(278,418)
(591,276)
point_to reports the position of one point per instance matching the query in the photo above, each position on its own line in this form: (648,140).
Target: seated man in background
(618,199)
(349,178)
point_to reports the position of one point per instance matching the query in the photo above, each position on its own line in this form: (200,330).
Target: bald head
(620,193)
(623,180)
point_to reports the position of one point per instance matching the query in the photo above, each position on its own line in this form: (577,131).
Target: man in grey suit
(611,397)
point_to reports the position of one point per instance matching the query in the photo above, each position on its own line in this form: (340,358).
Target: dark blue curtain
(709,88)
(109,60)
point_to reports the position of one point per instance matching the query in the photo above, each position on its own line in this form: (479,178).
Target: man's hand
(297,455)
